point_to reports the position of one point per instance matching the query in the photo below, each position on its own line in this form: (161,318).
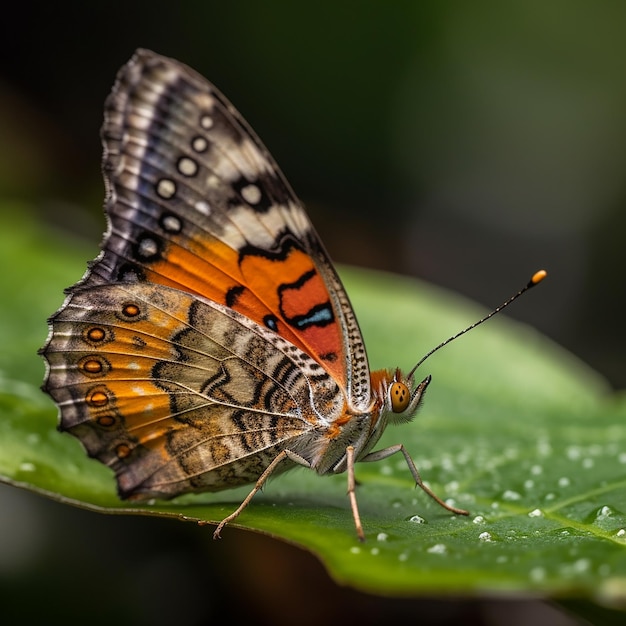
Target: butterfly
(211,344)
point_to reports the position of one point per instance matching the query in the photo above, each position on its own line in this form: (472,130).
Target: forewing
(196,202)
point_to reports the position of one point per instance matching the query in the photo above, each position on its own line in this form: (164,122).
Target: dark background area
(466,143)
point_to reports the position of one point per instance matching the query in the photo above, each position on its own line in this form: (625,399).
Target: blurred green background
(467,143)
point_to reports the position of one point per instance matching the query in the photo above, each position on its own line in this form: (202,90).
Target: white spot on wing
(172,224)
(213,181)
(199,144)
(166,188)
(187,167)
(147,247)
(203,207)
(251,193)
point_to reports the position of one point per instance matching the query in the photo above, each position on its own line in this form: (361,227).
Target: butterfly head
(399,396)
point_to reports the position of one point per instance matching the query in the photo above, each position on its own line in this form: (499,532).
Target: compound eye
(400,396)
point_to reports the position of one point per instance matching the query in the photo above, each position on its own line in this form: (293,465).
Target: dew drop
(564,481)
(417,519)
(511,495)
(535,470)
(603,513)
(621,532)
(577,567)
(573,453)
(27,467)
(403,556)
(438,548)
(588,463)
(382,537)
(529,484)
(375,551)
(355,550)
(485,537)
(447,464)
(536,513)
(537,574)
(479,519)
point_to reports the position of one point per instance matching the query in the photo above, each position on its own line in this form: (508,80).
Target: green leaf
(515,429)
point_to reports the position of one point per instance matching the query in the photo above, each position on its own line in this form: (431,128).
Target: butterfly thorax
(394,400)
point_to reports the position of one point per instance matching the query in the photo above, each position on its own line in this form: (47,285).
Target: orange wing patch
(283,292)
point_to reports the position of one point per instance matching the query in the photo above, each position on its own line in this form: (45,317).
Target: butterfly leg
(378,455)
(279,458)
(352,493)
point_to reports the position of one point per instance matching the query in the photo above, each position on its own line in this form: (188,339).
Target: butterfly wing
(176,393)
(196,202)
(212,331)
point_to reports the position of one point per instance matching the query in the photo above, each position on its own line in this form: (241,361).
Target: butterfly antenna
(537,277)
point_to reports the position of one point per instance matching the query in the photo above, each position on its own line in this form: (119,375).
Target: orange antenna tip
(537,277)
